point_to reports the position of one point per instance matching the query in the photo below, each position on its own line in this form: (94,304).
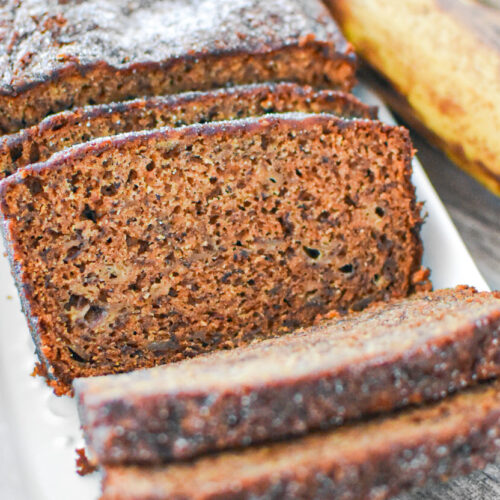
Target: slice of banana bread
(68,128)
(368,460)
(392,355)
(150,247)
(56,55)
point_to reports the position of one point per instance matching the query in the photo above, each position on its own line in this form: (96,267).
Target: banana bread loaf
(151,247)
(367,460)
(68,128)
(395,354)
(56,55)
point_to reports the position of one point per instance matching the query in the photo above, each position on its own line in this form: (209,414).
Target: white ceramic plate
(39,432)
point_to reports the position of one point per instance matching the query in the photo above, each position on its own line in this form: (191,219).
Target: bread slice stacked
(406,352)
(146,225)
(69,128)
(375,459)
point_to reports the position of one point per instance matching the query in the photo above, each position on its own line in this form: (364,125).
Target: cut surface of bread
(374,459)
(405,352)
(58,55)
(69,128)
(150,247)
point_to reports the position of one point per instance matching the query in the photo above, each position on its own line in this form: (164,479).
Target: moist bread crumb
(151,247)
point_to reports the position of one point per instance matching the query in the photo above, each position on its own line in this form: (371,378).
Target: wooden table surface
(476,213)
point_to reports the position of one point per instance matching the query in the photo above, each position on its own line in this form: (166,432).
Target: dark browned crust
(400,105)
(68,128)
(145,417)
(63,54)
(374,459)
(397,280)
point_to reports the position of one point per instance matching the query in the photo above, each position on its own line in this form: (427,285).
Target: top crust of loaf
(45,40)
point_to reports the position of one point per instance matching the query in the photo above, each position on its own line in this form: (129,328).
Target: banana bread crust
(58,55)
(374,459)
(392,355)
(68,128)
